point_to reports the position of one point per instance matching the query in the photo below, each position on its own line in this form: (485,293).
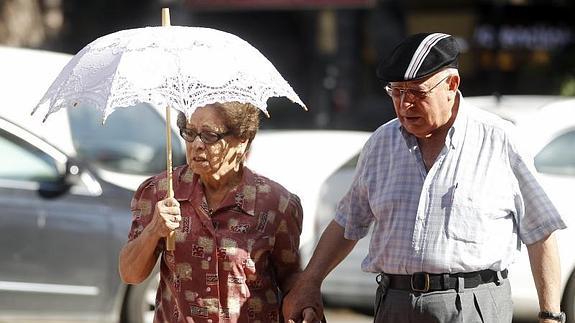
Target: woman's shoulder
(159,181)
(271,195)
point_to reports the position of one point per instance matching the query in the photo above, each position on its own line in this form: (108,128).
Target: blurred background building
(328,49)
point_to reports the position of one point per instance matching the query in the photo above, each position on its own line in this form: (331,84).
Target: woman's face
(217,158)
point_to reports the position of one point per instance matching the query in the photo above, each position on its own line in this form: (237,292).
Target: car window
(132,140)
(22,161)
(558,157)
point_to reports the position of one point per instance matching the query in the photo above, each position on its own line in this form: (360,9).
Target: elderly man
(451,196)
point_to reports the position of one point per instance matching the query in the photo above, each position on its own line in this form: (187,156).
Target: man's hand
(309,316)
(303,303)
(305,295)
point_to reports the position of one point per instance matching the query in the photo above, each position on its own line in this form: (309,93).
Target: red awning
(277,4)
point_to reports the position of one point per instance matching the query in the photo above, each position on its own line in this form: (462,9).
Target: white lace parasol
(169,67)
(180,67)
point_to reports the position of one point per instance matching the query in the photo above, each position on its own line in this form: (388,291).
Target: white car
(546,125)
(130,147)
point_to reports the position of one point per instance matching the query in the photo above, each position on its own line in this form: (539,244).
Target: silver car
(62,224)
(60,229)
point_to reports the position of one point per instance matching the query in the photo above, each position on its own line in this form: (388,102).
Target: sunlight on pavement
(344,315)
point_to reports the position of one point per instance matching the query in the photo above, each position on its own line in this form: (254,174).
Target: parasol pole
(171,240)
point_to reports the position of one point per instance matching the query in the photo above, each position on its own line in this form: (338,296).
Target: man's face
(424,106)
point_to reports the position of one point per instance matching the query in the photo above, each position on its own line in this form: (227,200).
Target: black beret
(418,56)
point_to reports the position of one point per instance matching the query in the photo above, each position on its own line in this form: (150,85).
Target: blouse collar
(188,187)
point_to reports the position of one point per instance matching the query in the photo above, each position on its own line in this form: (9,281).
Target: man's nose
(406,100)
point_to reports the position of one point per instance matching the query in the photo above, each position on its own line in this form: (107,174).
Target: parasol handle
(165,17)
(171,240)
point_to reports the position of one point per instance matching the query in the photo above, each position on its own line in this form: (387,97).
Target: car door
(54,249)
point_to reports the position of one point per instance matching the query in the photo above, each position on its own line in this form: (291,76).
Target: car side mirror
(61,185)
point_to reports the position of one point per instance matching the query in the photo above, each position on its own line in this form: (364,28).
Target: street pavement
(343,315)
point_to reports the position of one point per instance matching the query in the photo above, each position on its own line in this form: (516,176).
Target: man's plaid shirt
(470,212)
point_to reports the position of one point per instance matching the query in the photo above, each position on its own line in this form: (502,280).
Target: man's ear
(453,86)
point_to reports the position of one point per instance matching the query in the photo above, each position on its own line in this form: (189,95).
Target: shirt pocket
(475,215)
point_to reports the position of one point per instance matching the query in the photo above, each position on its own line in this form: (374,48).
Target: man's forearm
(332,248)
(545,266)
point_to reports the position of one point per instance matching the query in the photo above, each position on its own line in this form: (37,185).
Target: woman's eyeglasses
(396,92)
(207,137)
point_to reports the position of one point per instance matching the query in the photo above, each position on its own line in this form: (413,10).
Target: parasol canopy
(179,67)
(170,67)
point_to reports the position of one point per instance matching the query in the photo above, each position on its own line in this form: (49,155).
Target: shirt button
(209,258)
(208,289)
(209,321)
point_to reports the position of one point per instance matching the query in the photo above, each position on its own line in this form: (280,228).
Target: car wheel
(140,302)
(568,301)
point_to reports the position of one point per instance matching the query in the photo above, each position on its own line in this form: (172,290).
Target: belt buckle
(420,276)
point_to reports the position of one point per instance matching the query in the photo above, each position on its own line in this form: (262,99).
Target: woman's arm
(285,255)
(138,256)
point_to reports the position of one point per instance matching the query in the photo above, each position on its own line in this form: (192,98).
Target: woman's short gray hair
(241,119)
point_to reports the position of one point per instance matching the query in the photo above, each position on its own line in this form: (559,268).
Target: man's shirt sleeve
(539,216)
(353,212)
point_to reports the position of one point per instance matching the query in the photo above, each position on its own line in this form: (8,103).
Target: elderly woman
(237,233)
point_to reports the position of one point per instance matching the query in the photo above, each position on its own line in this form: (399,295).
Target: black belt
(424,282)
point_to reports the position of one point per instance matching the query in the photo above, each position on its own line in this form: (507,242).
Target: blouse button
(209,320)
(208,289)
(209,258)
